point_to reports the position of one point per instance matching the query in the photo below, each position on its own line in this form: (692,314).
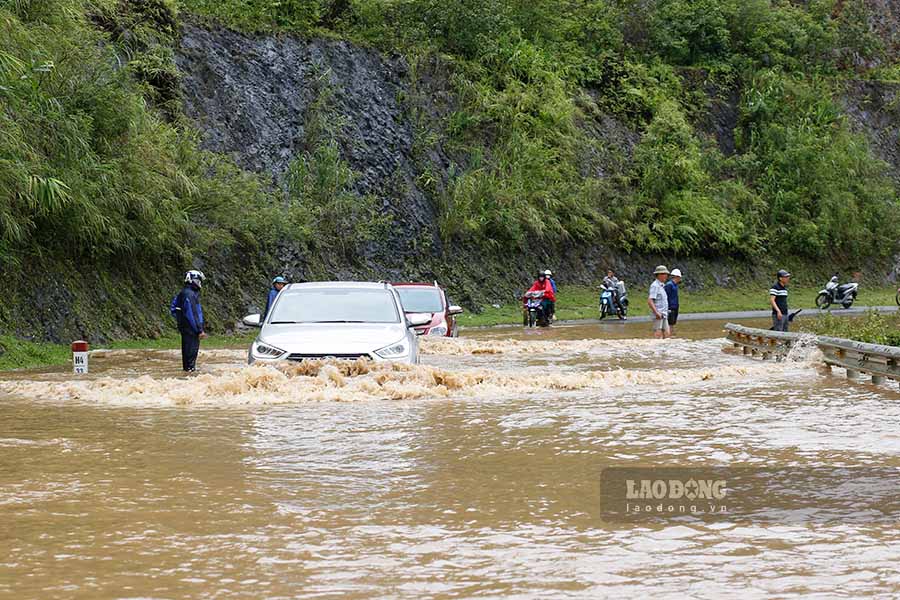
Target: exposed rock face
(873,108)
(885,21)
(251,98)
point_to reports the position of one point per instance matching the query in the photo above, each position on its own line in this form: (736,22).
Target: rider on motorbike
(542,284)
(611,282)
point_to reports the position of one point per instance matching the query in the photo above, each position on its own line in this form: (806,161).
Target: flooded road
(475,474)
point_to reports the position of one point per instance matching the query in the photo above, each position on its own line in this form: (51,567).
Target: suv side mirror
(418,319)
(252,321)
(455,310)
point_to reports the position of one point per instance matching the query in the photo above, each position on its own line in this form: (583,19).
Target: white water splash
(354,381)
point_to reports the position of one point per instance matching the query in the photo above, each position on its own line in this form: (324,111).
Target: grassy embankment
(22,354)
(581,303)
(874,328)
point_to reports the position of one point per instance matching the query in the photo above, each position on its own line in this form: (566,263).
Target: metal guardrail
(877,361)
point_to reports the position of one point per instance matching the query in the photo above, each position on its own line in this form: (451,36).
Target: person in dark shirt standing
(672,293)
(778,298)
(277,284)
(188,313)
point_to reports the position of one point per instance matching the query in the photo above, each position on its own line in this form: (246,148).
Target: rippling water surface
(475,474)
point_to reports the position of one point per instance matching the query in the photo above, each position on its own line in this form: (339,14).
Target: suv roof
(359,285)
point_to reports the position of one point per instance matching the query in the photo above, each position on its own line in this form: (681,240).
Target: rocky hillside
(256,98)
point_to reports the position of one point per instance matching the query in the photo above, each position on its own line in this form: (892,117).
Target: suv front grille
(300,357)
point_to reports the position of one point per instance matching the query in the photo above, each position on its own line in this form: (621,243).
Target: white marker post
(80,357)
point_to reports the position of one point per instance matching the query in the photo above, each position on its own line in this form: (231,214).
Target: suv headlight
(262,350)
(395,350)
(439,330)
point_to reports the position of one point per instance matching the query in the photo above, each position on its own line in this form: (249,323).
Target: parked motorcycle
(614,300)
(835,293)
(533,313)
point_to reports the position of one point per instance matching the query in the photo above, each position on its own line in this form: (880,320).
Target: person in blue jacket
(672,292)
(188,313)
(277,283)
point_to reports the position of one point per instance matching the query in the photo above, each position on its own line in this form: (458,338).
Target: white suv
(339,320)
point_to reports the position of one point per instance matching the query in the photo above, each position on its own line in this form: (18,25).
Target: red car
(429,298)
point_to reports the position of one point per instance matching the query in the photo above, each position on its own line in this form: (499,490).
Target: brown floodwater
(474,474)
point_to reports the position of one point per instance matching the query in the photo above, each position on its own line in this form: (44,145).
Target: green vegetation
(874,328)
(97,160)
(801,183)
(85,163)
(21,354)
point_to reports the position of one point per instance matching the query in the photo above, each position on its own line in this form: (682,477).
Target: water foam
(475,347)
(354,381)
(805,349)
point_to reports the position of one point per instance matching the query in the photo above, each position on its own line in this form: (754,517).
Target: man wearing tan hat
(658,302)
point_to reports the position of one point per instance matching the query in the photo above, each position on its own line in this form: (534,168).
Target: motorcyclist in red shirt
(542,284)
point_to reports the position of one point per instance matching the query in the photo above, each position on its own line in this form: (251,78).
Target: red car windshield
(421,299)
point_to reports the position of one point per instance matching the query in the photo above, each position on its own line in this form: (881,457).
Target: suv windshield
(335,305)
(421,299)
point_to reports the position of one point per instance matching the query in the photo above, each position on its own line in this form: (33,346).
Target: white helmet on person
(195,277)
(548,273)
(675,273)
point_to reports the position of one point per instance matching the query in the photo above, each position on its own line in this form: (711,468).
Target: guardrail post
(746,350)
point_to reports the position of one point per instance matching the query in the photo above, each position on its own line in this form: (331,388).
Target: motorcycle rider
(188,312)
(611,282)
(549,275)
(277,284)
(778,298)
(542,284)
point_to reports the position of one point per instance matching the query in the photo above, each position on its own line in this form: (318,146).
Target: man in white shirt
(658,301)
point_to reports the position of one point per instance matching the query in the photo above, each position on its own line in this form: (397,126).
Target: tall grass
(87,168)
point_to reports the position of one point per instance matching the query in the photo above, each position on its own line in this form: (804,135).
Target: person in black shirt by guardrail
(778,298)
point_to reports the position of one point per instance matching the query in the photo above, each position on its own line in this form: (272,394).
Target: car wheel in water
(822,301)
